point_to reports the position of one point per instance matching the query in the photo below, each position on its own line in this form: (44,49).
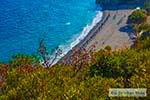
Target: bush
(144,27)
(118,64)
(20,60)
(137,17)
(108,48)
(107,69)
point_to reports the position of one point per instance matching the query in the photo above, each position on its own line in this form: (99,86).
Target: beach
(112,30)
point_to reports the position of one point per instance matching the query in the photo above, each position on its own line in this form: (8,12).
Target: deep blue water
(23,23)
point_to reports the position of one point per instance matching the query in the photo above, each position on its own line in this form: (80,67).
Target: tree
(137,17)
(21,60)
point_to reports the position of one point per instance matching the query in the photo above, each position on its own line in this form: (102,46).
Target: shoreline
(111,30)
(115,32)
(82,44)
(93,31)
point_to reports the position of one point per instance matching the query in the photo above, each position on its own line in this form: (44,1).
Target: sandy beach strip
(115,32)
(112,30)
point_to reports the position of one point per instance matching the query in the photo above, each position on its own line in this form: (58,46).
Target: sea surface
(61,23)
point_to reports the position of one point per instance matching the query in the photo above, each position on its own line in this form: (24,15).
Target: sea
(60,23)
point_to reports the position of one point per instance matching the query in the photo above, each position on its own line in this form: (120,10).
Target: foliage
(87,76)
(108,48)
(20,60)
(138,16)
(146,42)
(107,69)
(144,27)
(139,22)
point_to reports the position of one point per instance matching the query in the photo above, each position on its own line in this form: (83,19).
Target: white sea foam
(68,23)
(66,48)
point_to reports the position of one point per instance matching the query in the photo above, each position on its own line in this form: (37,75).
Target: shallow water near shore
(61,23)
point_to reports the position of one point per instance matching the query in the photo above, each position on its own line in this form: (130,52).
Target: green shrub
(107,69)
(137,17)
(108,48)
(20,60)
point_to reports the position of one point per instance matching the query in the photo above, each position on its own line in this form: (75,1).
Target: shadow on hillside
(127,29)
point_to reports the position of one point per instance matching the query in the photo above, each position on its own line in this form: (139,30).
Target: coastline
(93,31)
(83,43)
(104,33)
(111,30)
(115,32)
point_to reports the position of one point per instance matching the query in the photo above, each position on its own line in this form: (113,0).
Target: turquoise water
(62,23)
